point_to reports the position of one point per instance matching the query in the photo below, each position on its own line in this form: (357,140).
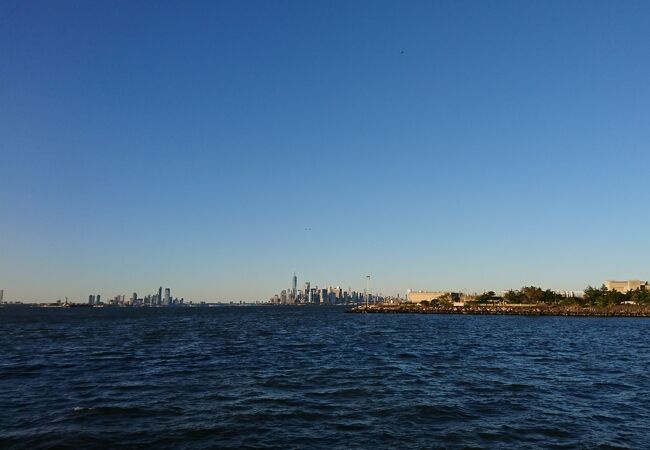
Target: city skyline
(315,293)
(221,146)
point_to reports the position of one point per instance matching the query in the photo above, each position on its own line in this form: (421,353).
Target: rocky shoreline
(536,310)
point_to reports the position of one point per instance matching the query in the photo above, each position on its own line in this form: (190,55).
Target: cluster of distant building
(326,296)
(156,299)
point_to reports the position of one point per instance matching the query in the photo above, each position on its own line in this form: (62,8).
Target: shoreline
(505,310)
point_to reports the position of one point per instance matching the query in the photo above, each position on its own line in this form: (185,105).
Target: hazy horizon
(216,148)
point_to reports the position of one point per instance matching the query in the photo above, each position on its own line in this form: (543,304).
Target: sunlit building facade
(626,286)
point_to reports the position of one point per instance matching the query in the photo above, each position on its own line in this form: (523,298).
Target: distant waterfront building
(420,296)
(293,292)
(312,294)
(306,293)
(626,286)
(2,295)
(91,299)
(98,299)
(168,294)
(571,294)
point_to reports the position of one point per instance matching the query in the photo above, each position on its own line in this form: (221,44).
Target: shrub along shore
(513,310)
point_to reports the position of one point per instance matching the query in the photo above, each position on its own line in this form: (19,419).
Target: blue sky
(217,147)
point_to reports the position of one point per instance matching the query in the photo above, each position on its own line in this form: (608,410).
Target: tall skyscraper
(168,299)
(159,299)
(91,299)
(294,284)
(2,295)
(98,299)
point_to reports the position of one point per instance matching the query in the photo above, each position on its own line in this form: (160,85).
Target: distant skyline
(219,147)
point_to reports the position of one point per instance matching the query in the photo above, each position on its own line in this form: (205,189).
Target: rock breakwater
(528,310)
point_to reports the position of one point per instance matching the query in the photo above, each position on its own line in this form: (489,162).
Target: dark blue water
(251,377)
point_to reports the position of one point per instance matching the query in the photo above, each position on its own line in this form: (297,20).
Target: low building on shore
(626,286)
(420,296)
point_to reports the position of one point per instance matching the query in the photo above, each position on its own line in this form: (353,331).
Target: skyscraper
(159,299)
(294,284)
(168,300)
(2,295)
(91,299)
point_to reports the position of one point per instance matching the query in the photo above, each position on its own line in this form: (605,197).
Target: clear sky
(217,147)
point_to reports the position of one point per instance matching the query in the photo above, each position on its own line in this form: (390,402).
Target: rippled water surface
(290,377)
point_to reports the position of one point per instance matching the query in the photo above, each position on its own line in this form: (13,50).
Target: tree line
(592,297)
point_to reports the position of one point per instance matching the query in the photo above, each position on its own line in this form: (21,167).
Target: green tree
(550,297)
(445,300)
(639,296)
(593,295)
(533,294)
(514,297)
(487,297)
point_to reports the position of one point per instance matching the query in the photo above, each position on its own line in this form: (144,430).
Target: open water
(316,377)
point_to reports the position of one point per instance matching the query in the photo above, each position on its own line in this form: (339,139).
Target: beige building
(420,296)
(625,286)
